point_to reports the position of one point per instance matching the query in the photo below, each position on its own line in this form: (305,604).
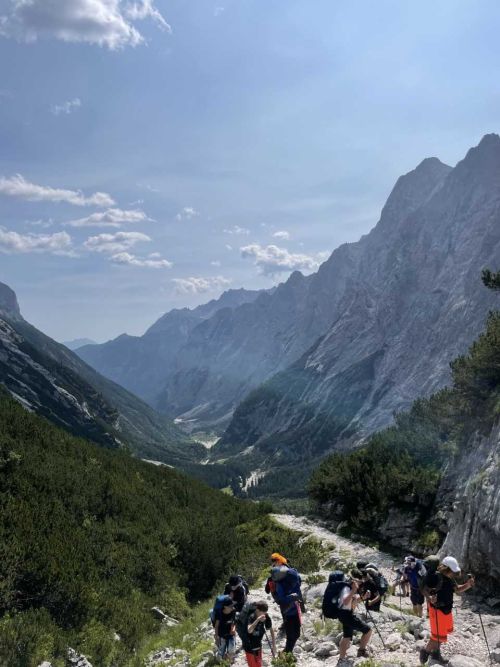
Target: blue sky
(156,153)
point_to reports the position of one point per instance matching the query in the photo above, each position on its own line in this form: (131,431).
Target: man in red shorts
(440,600)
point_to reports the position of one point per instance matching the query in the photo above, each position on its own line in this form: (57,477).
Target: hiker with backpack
(237,589)
(440,588)
(252,625)
(369,590)
(289,598)
(339,602)
(224,617)
(415,572)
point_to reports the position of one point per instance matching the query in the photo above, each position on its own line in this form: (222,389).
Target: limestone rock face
(471,492)
(8,301)
(409,301)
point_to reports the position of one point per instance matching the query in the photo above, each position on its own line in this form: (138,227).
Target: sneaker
(424,656)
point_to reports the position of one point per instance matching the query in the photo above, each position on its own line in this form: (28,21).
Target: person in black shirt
(440,600)
(369,592)
(236,590)
(258,622)
(225,631)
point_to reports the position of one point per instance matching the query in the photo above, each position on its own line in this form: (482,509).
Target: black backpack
(242,623)
(336,582)
(382,584)
(432,581)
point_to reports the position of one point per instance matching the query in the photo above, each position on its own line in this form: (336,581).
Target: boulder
(393,641)
(464,661)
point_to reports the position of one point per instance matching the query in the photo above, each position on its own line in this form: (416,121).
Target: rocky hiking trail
(403,633)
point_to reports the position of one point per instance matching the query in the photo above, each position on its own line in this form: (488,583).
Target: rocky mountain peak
(483,158)
(8,301)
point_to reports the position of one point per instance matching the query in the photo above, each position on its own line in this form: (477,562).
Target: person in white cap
(440,601)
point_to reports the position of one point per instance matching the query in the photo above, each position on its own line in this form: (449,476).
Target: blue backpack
(336,582)
(216,611)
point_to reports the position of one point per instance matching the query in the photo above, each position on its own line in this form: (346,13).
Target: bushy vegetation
(91,539)
(401,466)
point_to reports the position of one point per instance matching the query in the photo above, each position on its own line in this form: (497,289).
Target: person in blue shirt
(414,572)
(288,596)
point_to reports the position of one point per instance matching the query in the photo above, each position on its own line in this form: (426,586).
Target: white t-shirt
(344,593)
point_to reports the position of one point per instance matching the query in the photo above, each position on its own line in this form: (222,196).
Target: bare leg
(345,642)
(363,642)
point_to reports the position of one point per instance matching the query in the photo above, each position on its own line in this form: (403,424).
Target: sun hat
(452,564)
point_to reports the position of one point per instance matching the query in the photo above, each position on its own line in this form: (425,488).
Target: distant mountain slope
(78,342)
(142,363)
(51,380)
(411,302)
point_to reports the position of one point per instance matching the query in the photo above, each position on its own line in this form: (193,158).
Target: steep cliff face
(412,302)
(469,504)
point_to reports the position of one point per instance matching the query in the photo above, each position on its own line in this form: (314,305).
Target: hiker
(347,601)
(237,589)
(257,621)
(289,596)
(224,629)
(369,590)
(441,587)
(415,571)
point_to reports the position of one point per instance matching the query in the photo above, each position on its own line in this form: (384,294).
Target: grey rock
(393,641)
(464,661)
(77,660)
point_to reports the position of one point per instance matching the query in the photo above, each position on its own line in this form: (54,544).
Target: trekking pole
(485,638)
(375,624)
(270,645)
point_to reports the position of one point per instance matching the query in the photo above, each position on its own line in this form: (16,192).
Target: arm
(465,587)
(258,619)
(273,641)
(374,600)
(216,630)
(351,597)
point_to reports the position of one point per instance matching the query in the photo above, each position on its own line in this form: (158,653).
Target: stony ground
(403,634)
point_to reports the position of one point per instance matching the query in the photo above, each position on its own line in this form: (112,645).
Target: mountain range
(49,379)
(321,361)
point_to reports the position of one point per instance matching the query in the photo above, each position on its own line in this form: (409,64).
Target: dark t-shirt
(255,639)
(445,595)
(239,595)
(225,623)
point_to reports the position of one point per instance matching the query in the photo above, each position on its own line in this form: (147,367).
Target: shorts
(441,625)
(351,623)
(416,596)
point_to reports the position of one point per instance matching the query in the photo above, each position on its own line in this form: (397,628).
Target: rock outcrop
(469,498)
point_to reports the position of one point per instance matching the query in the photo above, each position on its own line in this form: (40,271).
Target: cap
(451,563)
(281,559)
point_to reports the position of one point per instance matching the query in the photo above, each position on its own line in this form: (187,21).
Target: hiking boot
(424,656)
(363,653)
(438,658)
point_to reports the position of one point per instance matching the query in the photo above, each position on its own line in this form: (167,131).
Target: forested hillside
(91,539)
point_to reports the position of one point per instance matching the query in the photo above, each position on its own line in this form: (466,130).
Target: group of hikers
(432,581)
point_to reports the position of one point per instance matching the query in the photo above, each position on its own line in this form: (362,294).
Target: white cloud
(114,243)
(215,263)
(12,242)
(228,247)
(113,217)
(237,230)
(108,23)
(66,107)
(282,236)
(271,259)
(218,11)
(187,213)
(132,260)
(199,285)
(18,186)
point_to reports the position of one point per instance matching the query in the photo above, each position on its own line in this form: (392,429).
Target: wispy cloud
(108,23)
(237,230)
(12,242)
(66,107)
(215,263)
(113,217)
(187,213)
(18,186)
(114,243)
(282,235)
(271,259)
(218,11)
(148,263)
(199,285)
